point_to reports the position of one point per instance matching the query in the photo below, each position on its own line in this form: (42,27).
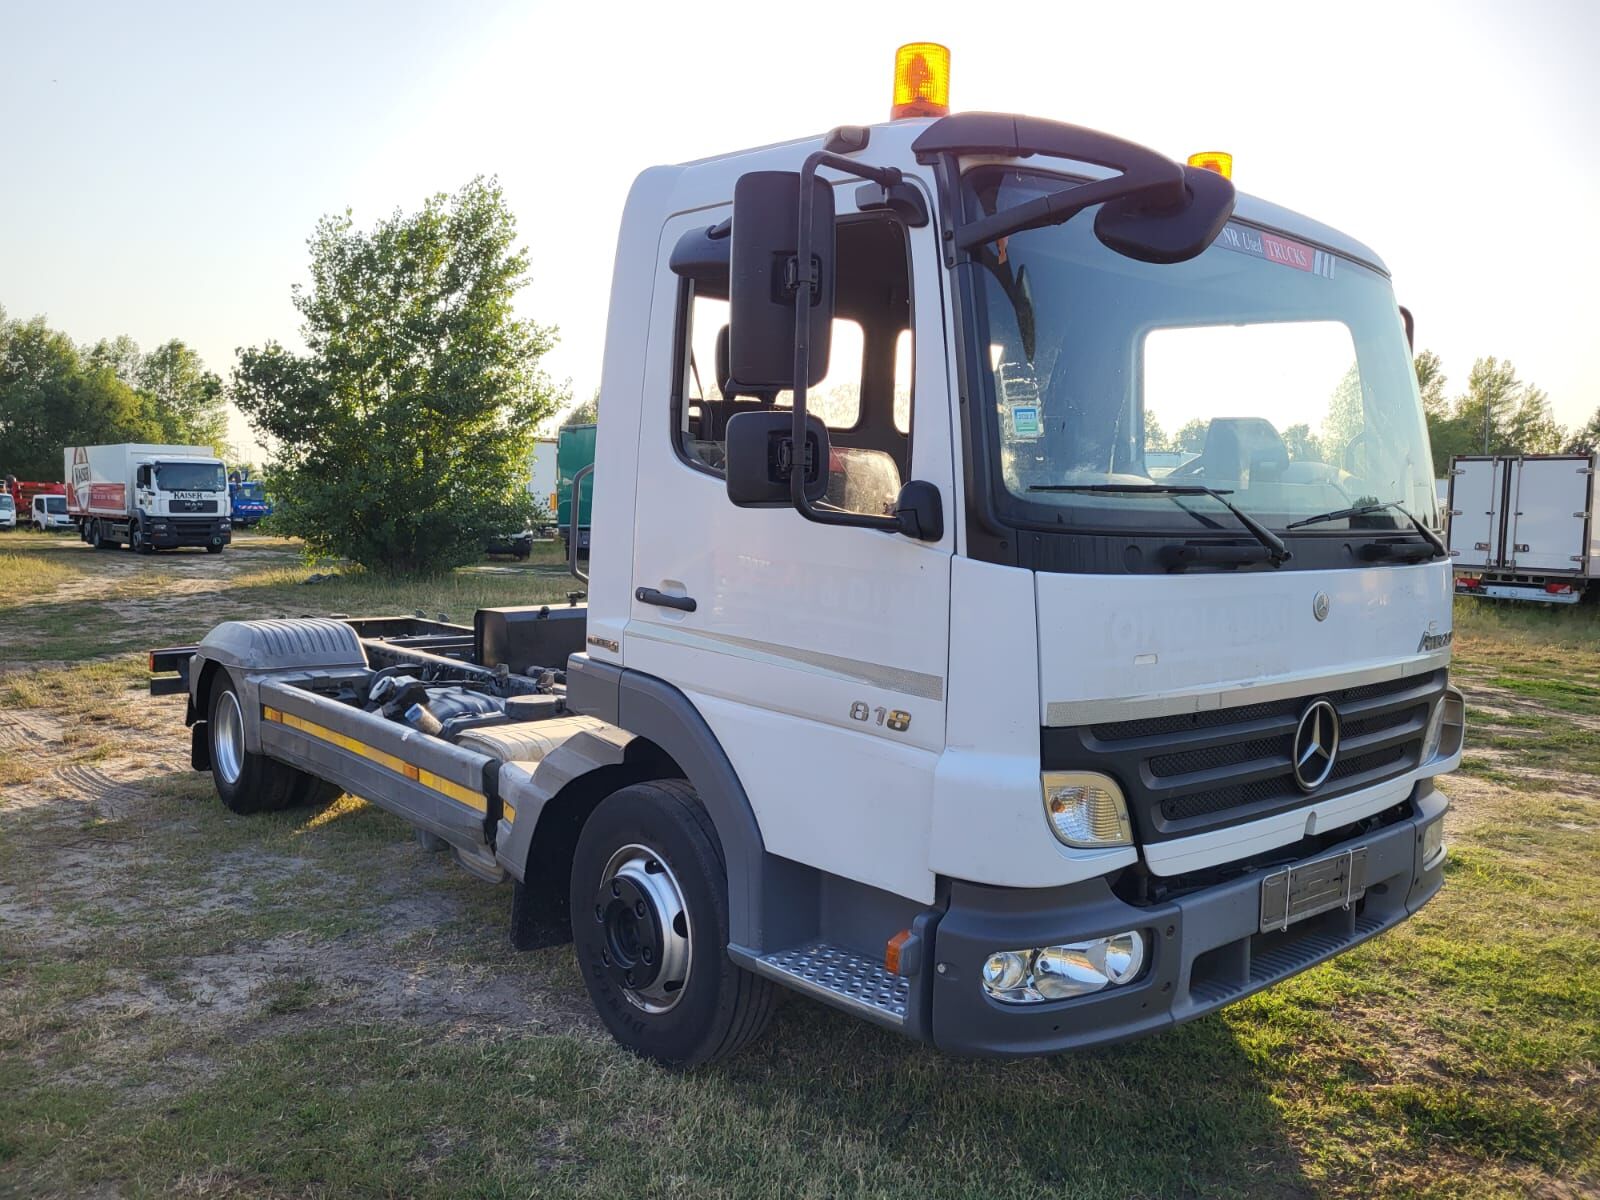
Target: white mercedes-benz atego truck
(1016,616)
(148,497)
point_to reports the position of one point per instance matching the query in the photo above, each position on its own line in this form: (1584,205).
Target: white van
(49,513)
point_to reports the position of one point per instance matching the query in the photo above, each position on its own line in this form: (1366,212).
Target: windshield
(190,477)
(250,491)
(55,504)
(1266,368)
(6,502)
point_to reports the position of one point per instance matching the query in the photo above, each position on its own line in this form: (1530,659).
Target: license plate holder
(1307,889)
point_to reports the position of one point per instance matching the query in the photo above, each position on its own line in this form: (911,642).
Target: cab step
(840,977)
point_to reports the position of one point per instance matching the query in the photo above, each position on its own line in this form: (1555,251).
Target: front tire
(248,782)
(649,905)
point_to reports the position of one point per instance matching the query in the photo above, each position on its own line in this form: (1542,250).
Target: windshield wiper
(1361,510)
(1277,552)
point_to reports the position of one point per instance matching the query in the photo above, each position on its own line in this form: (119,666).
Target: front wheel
(249,782)
(213,549)
(649,904)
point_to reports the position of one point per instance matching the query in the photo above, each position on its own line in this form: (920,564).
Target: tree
(1155,438)
(1345,421)
(50,398)
(1497,414)
(586,413)
(1192,436)
(1585,440)
(403,435)
(186,398)
(1302,444)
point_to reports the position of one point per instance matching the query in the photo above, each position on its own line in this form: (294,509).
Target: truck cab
(248,502)
(8,511)
(927,668)
(49,513)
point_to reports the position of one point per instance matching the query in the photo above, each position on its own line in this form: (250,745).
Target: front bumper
(170,533)
(1204,949)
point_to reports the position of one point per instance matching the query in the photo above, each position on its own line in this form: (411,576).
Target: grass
(108,602)
(310,1004)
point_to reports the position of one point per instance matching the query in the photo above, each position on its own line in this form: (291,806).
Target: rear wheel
(649,904)
(213,549)
(248,782)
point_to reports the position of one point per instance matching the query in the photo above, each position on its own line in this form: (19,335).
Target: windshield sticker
(1025,421)
(1275,248)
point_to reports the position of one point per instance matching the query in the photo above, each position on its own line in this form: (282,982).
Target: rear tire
(248,782)
(213,549)
(649,910)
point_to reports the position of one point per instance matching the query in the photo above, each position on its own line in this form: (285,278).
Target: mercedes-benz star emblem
(1316,745)
(1319,606)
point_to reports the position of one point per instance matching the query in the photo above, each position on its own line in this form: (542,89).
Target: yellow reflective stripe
(508,809)
(428,779)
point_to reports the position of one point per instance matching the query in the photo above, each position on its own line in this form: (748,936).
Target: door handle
(647,595)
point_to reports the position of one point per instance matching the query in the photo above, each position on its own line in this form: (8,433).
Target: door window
(865,397)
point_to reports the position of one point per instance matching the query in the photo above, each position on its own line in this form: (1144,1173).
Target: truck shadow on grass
(1187,1112)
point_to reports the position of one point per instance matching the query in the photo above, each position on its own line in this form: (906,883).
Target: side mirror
(761,455)
(1156,235)
(1410,323)
(766,279)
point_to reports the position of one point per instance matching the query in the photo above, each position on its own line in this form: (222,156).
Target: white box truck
(148,497)
(952,712)
(1524,527)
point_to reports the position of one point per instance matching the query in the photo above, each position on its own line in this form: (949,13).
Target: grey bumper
(1204,949)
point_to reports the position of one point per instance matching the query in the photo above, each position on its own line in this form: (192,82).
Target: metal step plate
(843,978)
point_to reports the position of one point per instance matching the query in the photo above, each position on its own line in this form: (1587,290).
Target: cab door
(817,654)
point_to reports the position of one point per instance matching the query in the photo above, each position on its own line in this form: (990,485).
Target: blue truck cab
(248,503)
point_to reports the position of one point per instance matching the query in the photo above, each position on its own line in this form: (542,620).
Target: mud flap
(199,747)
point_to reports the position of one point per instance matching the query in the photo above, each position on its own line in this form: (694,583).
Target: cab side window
(864,400)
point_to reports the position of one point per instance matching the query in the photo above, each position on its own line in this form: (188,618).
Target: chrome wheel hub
(645,928)
(227,738)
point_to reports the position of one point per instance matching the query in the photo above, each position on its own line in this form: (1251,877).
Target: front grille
(1191,772)
(194,506)
(189,527)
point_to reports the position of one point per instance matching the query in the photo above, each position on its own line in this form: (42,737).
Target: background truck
(8,511)
(22,492)
(1524,527)
(148,497)
(947,710)
(47,512)
(248,505)
(574,454)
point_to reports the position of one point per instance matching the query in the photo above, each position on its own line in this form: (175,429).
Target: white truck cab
(1016,616)
(49,513)
(8,511)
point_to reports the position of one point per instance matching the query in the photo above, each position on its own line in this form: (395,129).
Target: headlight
(1064,971)
(1086,810)
(1430,739)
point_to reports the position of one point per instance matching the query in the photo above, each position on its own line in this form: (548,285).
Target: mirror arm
(1060,207)
(887,177)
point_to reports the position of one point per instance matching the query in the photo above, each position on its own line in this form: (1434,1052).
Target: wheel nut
(646,955)
(599,913)
(616,888)
(629,978)
(638,908)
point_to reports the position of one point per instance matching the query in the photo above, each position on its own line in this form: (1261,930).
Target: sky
(163,164)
